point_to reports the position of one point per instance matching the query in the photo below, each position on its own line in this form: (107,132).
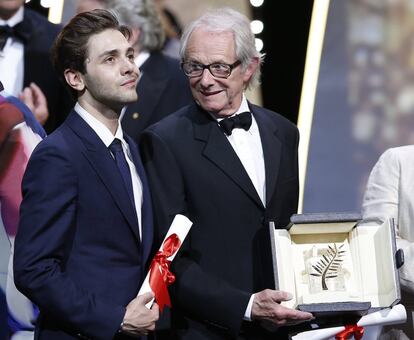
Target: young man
(230,183)
(85,228)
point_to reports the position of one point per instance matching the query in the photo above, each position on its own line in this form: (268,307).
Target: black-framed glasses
(219,70)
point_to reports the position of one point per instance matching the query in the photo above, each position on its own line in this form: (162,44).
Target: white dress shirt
(107,138)
(248,147)
(12,58)
(141,58)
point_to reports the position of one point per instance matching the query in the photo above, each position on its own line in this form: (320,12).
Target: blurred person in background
(89,5)
(389,194)
(172,29)
(25,67)
(20,132)
(163,87)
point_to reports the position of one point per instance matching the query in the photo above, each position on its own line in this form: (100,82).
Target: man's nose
(129,66)
(206,78)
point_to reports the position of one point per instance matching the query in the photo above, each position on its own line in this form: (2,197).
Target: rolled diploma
(181,225)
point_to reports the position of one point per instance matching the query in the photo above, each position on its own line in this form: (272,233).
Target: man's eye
(196,67)
(131,56)
(109,59)
(219,67)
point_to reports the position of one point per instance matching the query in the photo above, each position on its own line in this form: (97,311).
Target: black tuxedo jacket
(78,254)
(162,89)
(193,169)
(38,67)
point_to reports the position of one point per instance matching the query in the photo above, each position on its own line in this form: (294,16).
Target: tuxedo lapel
(219,151)
(101,160)
(271,145)
(146,209)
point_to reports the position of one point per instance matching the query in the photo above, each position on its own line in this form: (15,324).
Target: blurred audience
(172,29)
(389,194)
(19,134)
(163,87)
(25,67)
(89,5)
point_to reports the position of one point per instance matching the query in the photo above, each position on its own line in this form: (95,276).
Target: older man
(231,167)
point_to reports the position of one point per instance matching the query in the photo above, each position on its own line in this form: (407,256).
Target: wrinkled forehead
(209,45)
(213,34)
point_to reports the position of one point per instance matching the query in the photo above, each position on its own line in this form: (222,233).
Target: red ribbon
(349,331)
(160,275)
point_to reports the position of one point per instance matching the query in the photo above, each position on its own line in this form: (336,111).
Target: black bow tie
(241,121)
(20,32)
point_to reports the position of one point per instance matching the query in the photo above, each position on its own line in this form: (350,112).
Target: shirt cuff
(248,312)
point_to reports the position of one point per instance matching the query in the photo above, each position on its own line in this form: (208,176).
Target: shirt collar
(101,130)
(141,58)
(244,106)
(15,19)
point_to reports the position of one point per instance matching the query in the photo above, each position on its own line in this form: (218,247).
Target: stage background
(364,100)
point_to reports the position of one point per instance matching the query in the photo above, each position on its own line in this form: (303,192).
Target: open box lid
(336,261)
(318,223)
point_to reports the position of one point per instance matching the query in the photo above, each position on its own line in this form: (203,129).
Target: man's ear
(74,79)
(133,39)
(251,69)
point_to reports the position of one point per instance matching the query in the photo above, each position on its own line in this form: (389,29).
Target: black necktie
(241,121)
(121,162)
(20,32)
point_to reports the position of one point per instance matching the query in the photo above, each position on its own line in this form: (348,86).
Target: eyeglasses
(219,70)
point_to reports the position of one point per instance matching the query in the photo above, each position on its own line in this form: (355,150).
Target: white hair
(228,20)
(143,15)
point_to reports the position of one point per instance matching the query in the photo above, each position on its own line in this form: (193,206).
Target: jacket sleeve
(382,191)
(383,198)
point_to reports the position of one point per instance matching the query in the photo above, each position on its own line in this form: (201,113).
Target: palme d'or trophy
(324,269)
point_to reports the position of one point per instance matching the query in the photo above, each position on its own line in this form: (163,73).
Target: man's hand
(138,319)
(34,98)
(266,307)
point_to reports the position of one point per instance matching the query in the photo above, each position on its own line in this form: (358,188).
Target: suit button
(135,115)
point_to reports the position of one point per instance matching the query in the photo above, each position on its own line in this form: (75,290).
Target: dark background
(285,37)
